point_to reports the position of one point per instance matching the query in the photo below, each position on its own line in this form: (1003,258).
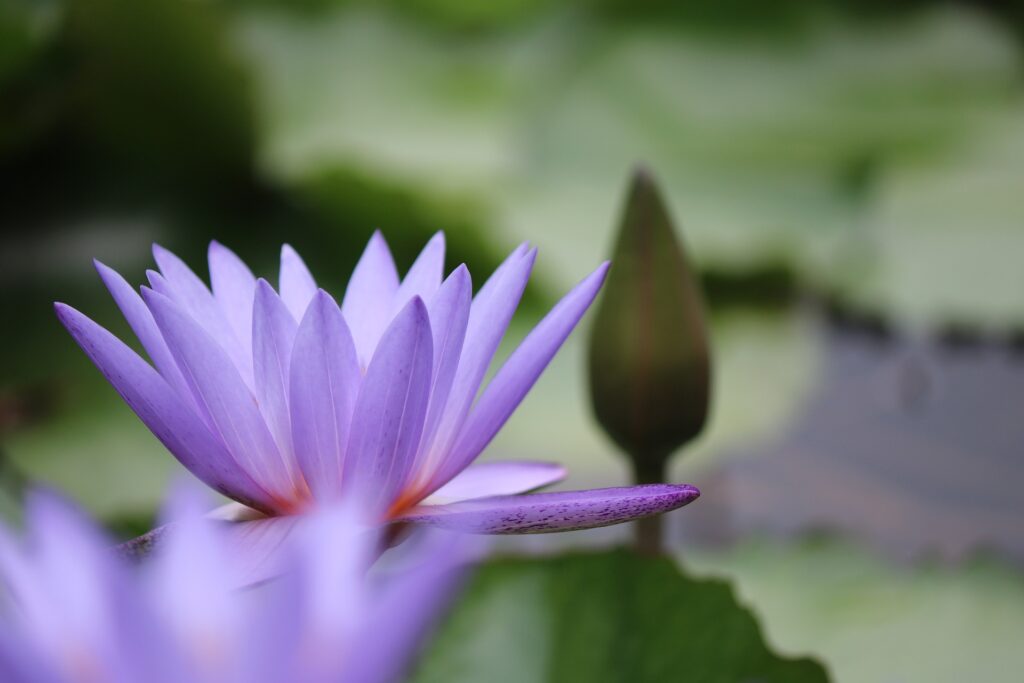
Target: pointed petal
(489,317)
(449,316)
(273,334)
(324,383)
(369,297)
(497,478)
(295,282)
(390,410)
(223,395)
(425,274)
(183,287)
(162,411)
(144,327)
(518,375)
(546,512)
(234,287)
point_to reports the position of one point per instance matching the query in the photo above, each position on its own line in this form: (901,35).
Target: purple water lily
(282,400)
(76,613)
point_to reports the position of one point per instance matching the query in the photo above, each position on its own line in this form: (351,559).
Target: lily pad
(942,240)
(599,618)
(931,623)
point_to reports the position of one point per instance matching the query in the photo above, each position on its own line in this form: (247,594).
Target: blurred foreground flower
(284,400)
(74,612)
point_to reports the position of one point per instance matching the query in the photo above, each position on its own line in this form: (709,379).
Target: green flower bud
(649,354)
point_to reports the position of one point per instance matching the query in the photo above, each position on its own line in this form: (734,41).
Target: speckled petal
(540,513)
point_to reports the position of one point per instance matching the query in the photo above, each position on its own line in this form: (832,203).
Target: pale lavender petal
(144,327)
(259,548)
(160,409)
(234,287)
(325,379)
(184,287)
(295,282)
(390,410)
(369,298)
(489,317)
(407,611)
(190,575)
(273,334)
(449,315)
(425,274)
(497,478)
(224,396)
(519,373)
(539,513)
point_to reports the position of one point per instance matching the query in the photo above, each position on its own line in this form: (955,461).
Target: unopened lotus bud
(649,355)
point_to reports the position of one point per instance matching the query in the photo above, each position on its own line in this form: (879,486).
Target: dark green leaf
(600,618)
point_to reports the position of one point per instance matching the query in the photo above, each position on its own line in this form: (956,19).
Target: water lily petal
(390,410)
(144,327)
(369,297)
(519,373)
(224,396)
(539,513)
(409,606)
(324,383)
(489,317)
(259,547)
(182,286)
(497,478)
(163,412)
(234,287)
(449,315)
(295,282)
(425,274)
(273,334)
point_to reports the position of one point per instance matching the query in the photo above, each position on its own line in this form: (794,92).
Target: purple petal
(162,411)
(295,282)
(369,298)
(183,287)
(406,610)
(324,383)
(224,396)
(518,375)
(273,334)
(258,548)
(234,287)
(489,317)
(449,315)
(425,274)
(497,478)
(144,327)
(390,410)
(546,512)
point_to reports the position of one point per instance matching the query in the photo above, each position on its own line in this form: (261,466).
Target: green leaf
(598,618)
(650,362)
(926,622)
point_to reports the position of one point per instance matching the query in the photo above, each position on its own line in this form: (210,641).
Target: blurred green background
(848,178)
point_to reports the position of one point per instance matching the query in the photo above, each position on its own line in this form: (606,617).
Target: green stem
(647,538)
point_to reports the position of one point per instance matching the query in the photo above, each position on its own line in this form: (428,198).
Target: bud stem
(648,531)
